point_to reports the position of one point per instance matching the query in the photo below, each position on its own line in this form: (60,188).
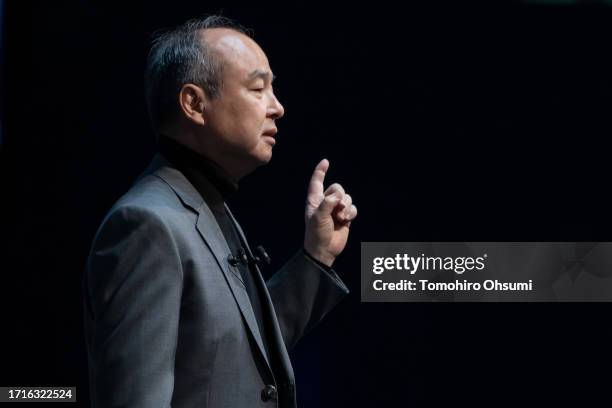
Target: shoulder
(149,202)
(150,193)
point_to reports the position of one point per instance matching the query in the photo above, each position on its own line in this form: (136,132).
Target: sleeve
(133,286)
(303,292)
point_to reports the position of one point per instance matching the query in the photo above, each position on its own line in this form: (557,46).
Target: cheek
(249,118)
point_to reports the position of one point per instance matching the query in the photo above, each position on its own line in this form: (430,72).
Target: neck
(196,166)
(234,167)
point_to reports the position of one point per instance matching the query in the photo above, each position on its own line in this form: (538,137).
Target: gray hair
(180,56)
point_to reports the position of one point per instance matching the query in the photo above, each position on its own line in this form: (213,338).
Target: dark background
(445,121)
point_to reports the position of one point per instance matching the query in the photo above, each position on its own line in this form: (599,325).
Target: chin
(265,156)
(266,159)
(259,156)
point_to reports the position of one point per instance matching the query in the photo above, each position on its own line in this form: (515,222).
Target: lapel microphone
(245,259)
(232,260)
(241,258)
(262,252)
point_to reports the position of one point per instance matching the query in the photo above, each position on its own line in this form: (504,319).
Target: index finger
(318,176)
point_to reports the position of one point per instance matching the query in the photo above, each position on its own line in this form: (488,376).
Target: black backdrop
(445,121)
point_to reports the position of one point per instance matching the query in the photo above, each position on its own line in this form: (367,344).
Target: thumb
(328,204)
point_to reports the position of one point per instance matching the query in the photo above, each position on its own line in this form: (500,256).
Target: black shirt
(214,185)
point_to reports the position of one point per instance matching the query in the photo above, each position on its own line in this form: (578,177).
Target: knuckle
(337,187)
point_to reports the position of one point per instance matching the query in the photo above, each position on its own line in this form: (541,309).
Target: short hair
(179,56)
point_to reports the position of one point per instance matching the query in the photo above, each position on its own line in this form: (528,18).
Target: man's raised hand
(328,216)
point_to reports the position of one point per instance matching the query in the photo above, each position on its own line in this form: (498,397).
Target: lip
(270,139)
(270,132)
(269,135)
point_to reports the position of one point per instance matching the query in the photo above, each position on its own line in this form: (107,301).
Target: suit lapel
(211,233)
(209,230)
(240,232)
(279,343)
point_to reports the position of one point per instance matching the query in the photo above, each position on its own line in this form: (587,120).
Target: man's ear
(192,102)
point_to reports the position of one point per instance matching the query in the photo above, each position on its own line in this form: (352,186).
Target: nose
(275,110)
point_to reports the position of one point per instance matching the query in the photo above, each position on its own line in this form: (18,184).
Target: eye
(258,92)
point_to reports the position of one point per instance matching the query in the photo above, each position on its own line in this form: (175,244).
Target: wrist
(320,256)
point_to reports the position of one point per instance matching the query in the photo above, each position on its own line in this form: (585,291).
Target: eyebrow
(258,73)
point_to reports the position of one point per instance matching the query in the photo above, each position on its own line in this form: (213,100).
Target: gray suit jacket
(168,321)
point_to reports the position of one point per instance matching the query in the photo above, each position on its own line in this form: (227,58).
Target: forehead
(240,53)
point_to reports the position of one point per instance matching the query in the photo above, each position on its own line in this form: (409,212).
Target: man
(177,313)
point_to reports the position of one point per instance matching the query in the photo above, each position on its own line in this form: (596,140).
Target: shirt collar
(208,178)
